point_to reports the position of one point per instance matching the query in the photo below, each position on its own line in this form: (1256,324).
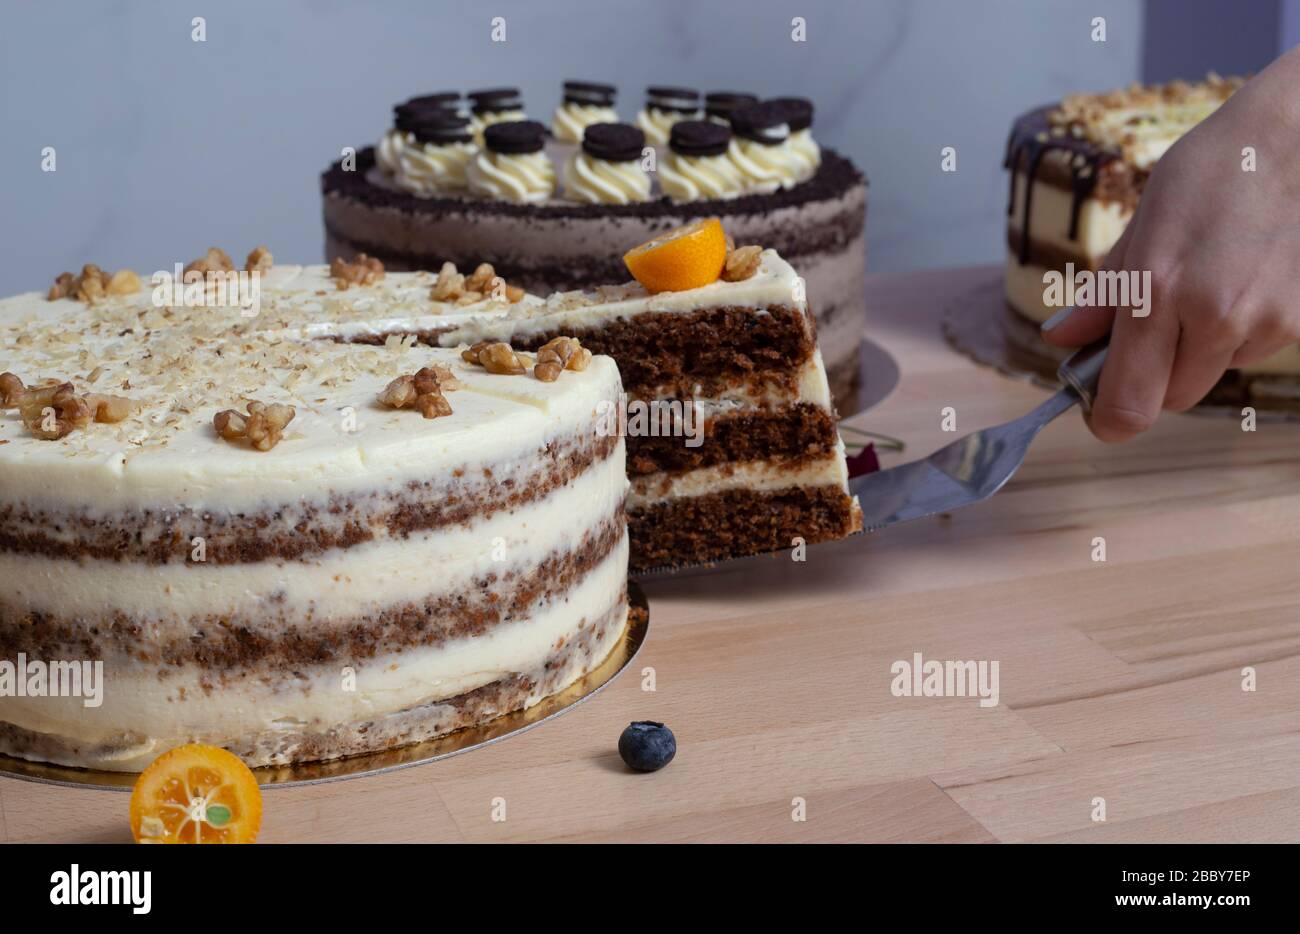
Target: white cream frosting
(806,152)
(523,178)
(657,124)
(424,168)
(599,181)
(572,119)
(765,168)
(694,178)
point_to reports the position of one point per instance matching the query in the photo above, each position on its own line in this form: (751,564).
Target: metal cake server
(975,467)
(967,471)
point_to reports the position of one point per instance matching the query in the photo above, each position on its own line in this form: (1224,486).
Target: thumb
(1074,327)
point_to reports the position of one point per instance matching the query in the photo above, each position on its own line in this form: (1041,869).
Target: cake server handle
(1081,371)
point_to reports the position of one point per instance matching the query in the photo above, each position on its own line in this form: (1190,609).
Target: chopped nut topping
(263,426)
(260,260)
(423,391)
(110,409)
(558,355)
(93,284)
(53,411)
(742,263)
(215,260)
(483,282)
(364,270)
(495,357)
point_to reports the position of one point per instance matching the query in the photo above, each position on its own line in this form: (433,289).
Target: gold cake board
(389,760)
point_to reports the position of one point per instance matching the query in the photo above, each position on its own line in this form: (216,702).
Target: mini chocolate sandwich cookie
(798,111)
(515,137)
(589,94)
(699,138)
(761,123)
(720,104)
(613,142)
(441,128)
(495,100)
(677,100)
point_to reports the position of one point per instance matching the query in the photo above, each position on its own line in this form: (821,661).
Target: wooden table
(1119,680)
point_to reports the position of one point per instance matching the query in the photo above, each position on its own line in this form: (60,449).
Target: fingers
(1085,325)
(1136,376)
(1198,365)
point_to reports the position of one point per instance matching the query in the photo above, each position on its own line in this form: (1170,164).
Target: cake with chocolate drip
(556,218)
(1078,169)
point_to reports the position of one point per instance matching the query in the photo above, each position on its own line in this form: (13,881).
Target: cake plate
(376,763)
(979,325)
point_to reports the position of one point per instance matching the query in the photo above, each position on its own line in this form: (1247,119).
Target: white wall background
(165,145)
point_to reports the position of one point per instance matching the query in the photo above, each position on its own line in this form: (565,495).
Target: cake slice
(731,431)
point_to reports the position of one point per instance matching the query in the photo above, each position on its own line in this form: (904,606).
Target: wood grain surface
(1119,681)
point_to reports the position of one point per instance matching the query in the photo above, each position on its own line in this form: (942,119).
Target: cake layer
(687,529)
(311,718)
(792,435)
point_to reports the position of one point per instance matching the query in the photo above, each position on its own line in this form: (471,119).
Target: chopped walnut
(53,411)
(495,357)
(364,270)
(214,260)
(110,409)
(423,391)
(558,355)
(260,260)
(93,284)
(263,426)
(742,263)
(483,282)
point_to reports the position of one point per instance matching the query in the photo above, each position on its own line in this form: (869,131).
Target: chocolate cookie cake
(558,217)
(1078,169)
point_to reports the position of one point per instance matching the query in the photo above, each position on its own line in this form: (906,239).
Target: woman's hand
(1223,248)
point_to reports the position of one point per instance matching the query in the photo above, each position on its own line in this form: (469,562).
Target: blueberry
(647,746)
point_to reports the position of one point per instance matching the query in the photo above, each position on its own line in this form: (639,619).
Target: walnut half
(263,426)
(495,357)
(558,355)
(423,392)
(742,263)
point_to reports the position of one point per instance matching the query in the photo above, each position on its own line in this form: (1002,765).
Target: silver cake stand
(443,747)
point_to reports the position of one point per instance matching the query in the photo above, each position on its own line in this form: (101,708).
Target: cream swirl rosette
(696,167)
(664,107)
(512,165)
(585,104)
(607,169)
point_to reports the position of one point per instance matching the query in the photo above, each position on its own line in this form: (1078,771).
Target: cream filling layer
(337,585)
(528,178)
(598,181)
(752,476)
(571,120)
(162,712)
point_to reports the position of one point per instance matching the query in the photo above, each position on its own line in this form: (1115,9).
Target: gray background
(165,145)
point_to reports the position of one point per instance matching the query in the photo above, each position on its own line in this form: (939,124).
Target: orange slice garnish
(685,258)
(196,794)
